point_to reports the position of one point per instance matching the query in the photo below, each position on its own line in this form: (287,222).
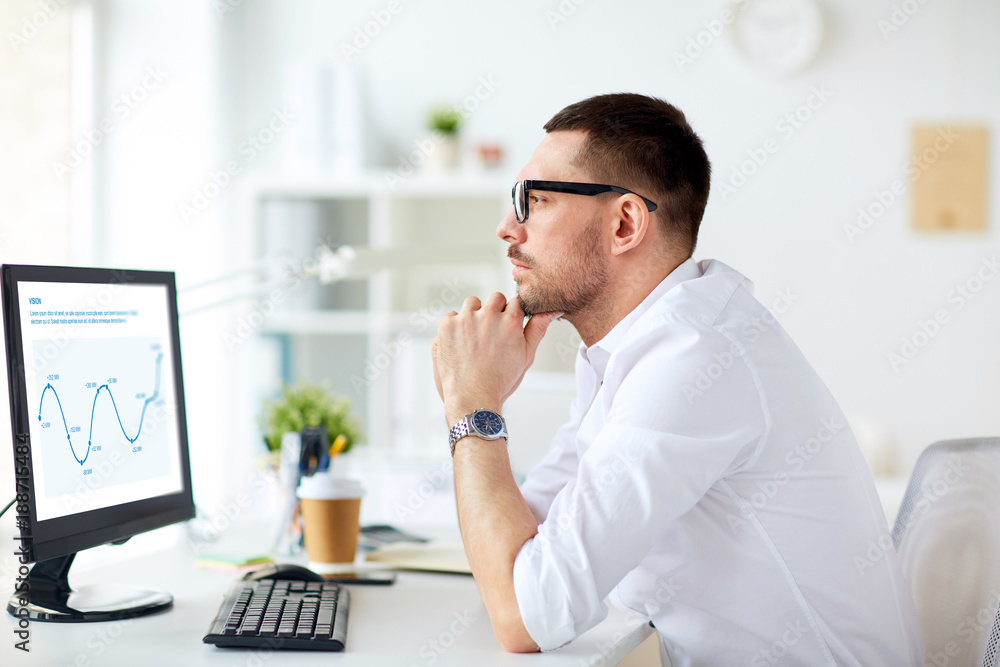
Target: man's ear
(632,221)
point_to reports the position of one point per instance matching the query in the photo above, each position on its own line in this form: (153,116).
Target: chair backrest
(947,535)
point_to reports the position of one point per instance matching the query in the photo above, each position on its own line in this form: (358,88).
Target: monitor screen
(96,402)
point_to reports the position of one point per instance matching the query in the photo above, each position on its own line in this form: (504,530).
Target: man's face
(559,260)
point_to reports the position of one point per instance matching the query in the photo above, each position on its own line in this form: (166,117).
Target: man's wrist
(455,411)
(473,441)
(463,426)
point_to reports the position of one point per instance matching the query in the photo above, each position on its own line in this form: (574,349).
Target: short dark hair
(644,144)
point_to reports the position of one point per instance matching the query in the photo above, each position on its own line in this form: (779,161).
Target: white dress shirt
(708,481)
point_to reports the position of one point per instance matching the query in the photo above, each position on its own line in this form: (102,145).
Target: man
(706,479)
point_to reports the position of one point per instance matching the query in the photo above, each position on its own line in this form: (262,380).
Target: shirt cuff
(545,621)
(544,601)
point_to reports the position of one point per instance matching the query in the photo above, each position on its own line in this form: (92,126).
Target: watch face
(487,422)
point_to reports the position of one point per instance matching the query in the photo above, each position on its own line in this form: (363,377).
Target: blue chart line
(156,393)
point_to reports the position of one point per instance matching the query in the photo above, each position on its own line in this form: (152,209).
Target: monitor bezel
(68,534)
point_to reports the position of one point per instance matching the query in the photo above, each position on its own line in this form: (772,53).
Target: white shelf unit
(381,325)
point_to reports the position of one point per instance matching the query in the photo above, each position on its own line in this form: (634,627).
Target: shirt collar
(598,354)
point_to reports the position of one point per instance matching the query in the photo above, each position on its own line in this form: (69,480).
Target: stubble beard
(570,288)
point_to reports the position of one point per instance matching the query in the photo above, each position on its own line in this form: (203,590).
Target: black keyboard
(282,614)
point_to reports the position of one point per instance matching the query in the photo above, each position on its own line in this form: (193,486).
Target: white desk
(421,620)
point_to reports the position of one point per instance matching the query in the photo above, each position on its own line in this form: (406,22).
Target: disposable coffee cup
(330,510)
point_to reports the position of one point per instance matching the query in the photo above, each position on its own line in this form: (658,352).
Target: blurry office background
(119,118)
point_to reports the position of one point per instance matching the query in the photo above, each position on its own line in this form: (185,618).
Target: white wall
(784,228)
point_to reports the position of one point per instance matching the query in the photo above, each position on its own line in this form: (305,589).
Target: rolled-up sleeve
(655,454)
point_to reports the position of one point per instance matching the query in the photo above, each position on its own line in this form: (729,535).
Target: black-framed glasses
(521,188)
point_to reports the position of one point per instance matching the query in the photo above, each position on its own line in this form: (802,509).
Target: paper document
(433,556)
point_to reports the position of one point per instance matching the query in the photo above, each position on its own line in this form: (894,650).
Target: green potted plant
(446,120)
(444,124)
(310,405)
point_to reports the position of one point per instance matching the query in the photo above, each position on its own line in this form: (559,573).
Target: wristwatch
(483,423)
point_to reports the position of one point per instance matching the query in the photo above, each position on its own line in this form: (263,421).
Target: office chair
(947,535)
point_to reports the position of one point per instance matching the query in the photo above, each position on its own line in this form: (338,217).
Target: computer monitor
(97,416)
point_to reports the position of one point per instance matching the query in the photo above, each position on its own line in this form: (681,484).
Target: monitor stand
(50,598)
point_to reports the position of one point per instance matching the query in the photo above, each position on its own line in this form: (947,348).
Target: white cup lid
(326,487)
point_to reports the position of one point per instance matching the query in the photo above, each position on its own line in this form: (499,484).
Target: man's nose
(509,229)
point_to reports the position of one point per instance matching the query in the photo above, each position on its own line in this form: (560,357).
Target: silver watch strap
(458,431)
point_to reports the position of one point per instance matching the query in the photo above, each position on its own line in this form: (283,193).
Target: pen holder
(288,538)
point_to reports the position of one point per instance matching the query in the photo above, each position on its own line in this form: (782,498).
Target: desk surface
(423,619)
